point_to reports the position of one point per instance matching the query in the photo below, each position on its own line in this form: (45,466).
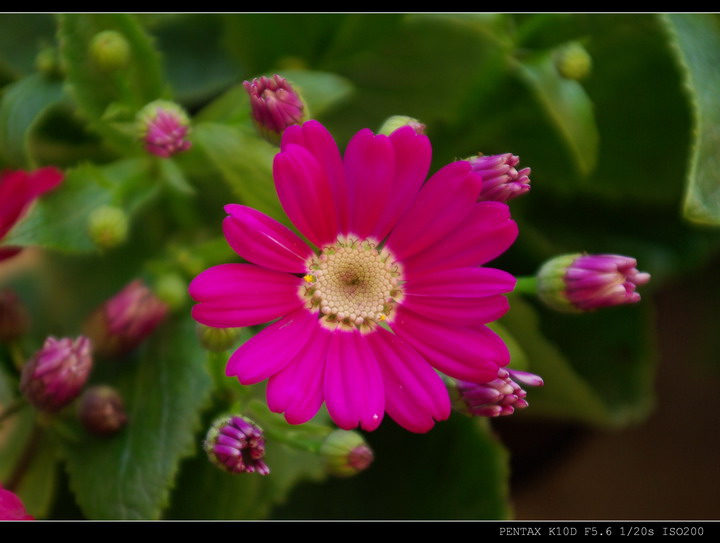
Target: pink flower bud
(501,181)
(236,444)
(163,127)
(54,376)
(346,453)
(275,105)
(125,320)
(499,397)
(11,507)
(101,410)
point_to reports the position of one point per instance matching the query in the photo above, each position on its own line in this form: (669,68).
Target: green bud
(573,62)
(48,64)
(171,289)
(345,453)
(398,121)
(217,340)
(108,226)
(551,284)
(110,51)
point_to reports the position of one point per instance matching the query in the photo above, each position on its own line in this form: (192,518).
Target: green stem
(26,459)
(13,408)
(526,285)
(16,354)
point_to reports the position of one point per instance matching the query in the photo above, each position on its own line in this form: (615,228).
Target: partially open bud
(125,320)
(108,226)
(217,340)
(163,127)
(11,507)
(275,105)
(500,397)
(236,445)
(398,121)
(110,51)
(14,317)
(101,410)
(573,62)
(501,181)
(54,376)
(579,282)
(346,453)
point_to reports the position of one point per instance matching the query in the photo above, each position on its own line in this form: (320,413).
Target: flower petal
(264,241)
(415,396)
(354,392)
(19,189)
(471,354)
(440,206)
(485,233)
(470,311)
(272,349)
(297,389)
(305,194)
(460,283)
(243,295)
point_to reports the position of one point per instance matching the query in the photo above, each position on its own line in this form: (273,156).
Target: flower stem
(31,447)
(526,285)
(12,409)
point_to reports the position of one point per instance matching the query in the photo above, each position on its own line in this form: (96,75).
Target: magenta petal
(369,170)
(297,390)
(471,354)
(354,393)
(305,194)
(415,396)
(468,310)
(485,233)
(460,283)
(264,241)
(439,208)
(314,137)
(232,295)
(270,350)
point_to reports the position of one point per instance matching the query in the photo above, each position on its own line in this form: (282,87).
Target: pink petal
(19,189)
(354,392)
(415,396)
(468,310)
(270,350)
(485,233)
(460,283)
(298,388)
(314,137)
(369,170)
(305,194)
(243,295)
(441,205)
(264,241)
(471,354)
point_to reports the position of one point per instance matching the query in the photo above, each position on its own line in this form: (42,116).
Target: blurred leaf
(23,104)
(321,90)
(33,31)
(129,475)
(566,105)
(697,39)
(459,470)
(232,107)
(98,91)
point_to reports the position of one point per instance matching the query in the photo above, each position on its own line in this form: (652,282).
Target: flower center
(353,283)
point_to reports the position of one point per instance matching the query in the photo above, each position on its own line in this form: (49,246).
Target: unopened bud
(398,121)
(162,127)
(236,445)
(172,289)
(501,181)
(275,105)
(54,376)
(573,62)
(217,340)
(346,453)
(14,317)
(48,63)
(125,320)
(108,226)
(101,410)
(110,51)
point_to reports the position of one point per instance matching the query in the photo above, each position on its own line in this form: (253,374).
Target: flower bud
(172,289)
(579,282)
(14,317)
(500,397)
(163,127)
(573,62)
(501,181)
(275,105)
(217,340)
(236,445)
(125,320)
(345,453)
(108,226)
(54,376)
(398,121)
(48,63)
(11,507)
(110,51)
(101,410)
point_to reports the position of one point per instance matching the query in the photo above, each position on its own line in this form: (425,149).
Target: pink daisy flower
(392,253)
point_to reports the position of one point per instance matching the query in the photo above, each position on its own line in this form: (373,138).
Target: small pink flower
(275,105)
(54,376)
(501,181)
(18,190)
(11,507)
(237,445)
(499,397)
(164,127)
(392,250)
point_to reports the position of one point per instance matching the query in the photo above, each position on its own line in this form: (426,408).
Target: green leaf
(129,475)
(321,90)
(697,41)
(23,105)
(21,37)
(458,470)
(566,105)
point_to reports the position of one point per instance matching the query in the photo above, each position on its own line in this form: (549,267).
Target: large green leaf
(21,37)
(697,40)
(23,104)
(129,475)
